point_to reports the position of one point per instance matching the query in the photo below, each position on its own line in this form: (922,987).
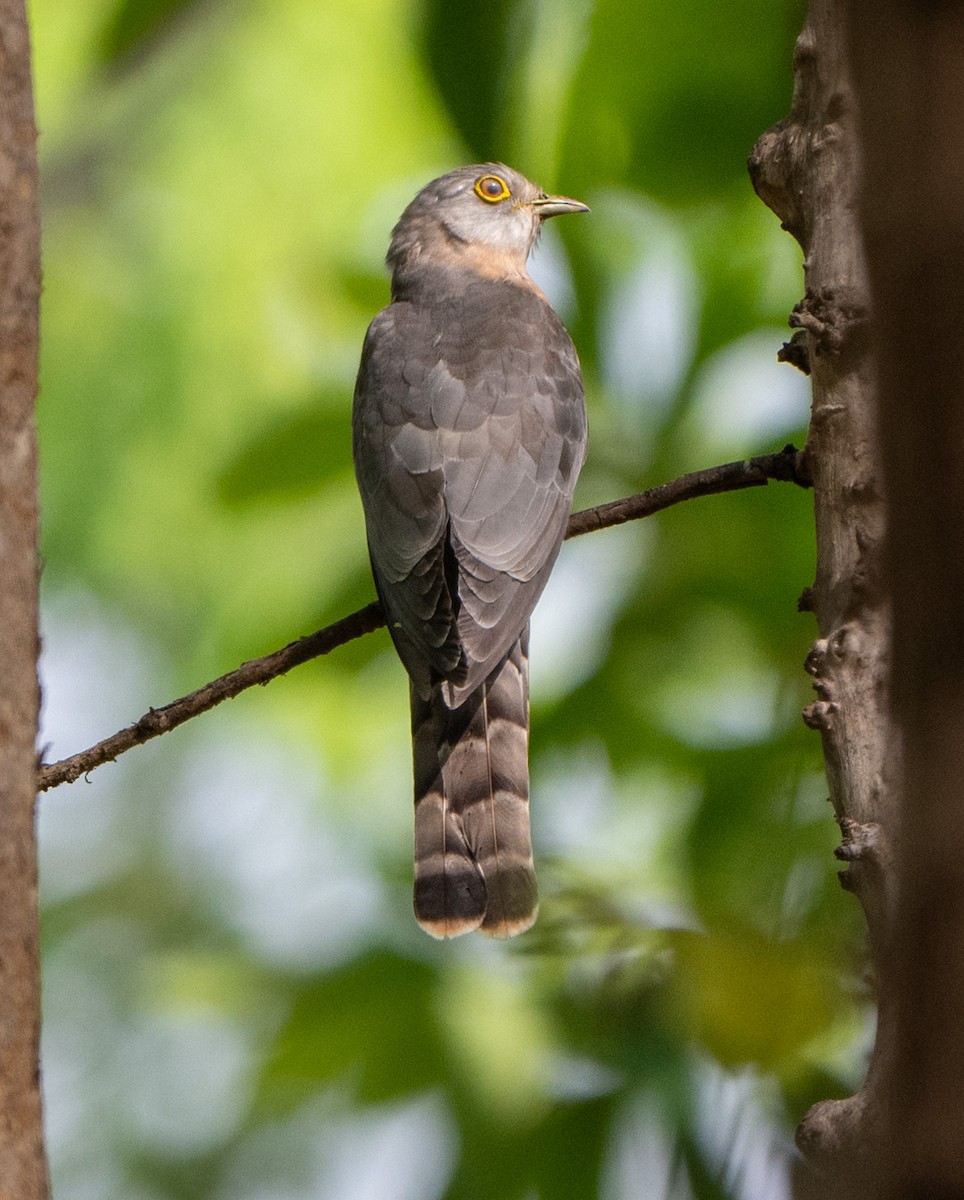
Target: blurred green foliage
(238,1002)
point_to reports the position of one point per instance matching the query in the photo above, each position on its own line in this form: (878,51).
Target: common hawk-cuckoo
(469,429)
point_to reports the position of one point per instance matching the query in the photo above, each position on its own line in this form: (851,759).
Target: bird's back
(469,432)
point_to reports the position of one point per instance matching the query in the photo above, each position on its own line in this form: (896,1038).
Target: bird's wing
(469,432)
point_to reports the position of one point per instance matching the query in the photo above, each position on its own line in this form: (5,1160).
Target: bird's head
(486,218)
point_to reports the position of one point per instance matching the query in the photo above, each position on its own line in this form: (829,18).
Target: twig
(256,670)
(788,465)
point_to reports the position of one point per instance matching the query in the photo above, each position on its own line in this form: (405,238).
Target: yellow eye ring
(492,189)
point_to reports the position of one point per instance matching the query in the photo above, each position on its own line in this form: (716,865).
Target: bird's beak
(555,206)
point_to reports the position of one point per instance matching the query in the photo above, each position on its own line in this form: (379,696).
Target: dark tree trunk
(23,1172)
(908,72)
(869,167)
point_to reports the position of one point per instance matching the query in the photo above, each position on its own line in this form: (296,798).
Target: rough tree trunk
(806,169)
(908,72)
(23,1172)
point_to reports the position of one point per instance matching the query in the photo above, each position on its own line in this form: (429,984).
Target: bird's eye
(492,189)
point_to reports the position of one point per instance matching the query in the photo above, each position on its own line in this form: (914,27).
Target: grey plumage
(469,432)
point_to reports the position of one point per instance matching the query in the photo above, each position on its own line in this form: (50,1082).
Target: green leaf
(137,27)
(466,47)
(369,1025)
(748,998)
(292,456)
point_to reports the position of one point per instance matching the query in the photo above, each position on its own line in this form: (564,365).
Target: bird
(468,433)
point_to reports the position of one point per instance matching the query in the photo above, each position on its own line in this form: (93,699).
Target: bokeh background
(239,1005)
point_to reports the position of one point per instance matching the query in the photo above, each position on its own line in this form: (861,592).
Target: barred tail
(473,850)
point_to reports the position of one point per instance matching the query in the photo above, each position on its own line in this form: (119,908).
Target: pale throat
(492,260)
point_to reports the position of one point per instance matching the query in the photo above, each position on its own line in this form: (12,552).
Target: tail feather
(473,850)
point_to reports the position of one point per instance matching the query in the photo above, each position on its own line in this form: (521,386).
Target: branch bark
(806,170)
(788,465)
(23,1170)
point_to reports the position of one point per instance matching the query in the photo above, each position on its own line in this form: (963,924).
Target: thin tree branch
(256,670)
(788,465)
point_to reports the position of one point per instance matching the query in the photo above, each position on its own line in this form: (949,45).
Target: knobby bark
(806,169)
(23,1172)
(908,72)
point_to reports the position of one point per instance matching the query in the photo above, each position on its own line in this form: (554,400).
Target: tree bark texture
(908,72)
(23,1172)
(806,169)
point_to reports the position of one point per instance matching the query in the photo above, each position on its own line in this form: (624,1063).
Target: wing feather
(469,431)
